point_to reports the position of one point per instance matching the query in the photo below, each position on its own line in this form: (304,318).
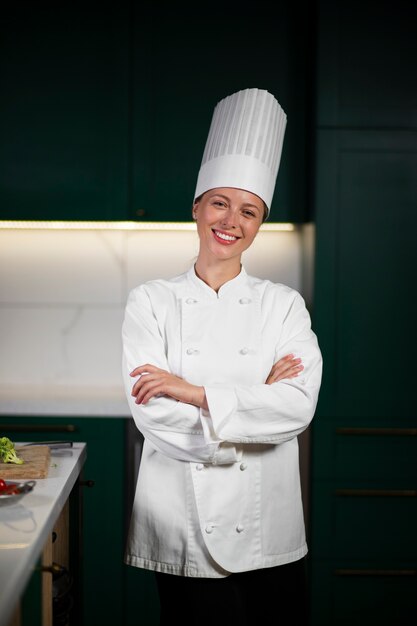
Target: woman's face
(227,221)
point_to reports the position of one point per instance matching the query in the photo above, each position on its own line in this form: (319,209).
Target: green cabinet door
(363,596)
(365,272)
(64,113)
(364,476)
(366,60)
(184,62)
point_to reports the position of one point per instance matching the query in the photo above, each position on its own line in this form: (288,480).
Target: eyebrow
(253,206)
(246,204)
(220,195)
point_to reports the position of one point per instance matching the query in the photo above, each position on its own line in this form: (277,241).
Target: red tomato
(7,490)
(10,490)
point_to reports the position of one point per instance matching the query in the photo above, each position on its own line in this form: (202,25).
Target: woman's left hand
(287,367)
(154,382)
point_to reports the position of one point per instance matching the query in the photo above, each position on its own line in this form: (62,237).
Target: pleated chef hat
(244,144)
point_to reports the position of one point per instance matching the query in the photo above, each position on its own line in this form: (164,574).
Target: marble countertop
(64,401)
(25,526)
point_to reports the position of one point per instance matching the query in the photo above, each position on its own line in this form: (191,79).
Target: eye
(249,213)
(219,203)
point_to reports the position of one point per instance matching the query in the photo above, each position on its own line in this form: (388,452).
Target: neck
(217,273)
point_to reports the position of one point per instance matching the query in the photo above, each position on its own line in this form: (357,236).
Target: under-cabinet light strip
(69,225)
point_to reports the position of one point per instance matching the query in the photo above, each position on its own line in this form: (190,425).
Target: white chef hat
(244,144)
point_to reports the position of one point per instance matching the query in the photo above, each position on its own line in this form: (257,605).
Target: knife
(51,444)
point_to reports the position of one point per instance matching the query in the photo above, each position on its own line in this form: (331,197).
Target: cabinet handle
(385,493)
(387,432)
(39,428)
(375,572)
(53,568)
(86,483)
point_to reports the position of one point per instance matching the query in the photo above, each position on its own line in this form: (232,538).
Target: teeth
(225,237)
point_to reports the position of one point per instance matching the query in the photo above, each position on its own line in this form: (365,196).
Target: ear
(194,211)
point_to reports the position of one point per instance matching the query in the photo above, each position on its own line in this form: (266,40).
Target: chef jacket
(218,491)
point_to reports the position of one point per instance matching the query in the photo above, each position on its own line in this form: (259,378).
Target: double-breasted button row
(190,351)
(210,527)
(201,466)
(241,301)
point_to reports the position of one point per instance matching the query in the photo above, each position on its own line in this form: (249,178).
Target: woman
(222,372)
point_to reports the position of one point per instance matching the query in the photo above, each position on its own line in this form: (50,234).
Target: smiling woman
(228,220)
(222,372)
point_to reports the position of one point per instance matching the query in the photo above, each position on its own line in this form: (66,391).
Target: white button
(244,351)
(245,301)
(243,466)
(209,528)
(199,467)
(193,351)
(240,528)
(302,381)
(191,301)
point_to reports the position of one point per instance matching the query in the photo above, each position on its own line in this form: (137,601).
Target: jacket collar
(236,286)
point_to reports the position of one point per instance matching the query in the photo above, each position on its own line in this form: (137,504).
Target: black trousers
(275,595)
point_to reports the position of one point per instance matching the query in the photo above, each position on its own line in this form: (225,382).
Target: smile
(223,237)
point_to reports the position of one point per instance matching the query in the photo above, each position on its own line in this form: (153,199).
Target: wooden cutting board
(36,463)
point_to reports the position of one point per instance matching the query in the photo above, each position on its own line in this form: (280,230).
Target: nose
(230,219)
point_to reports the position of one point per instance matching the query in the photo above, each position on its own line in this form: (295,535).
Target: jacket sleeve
(274,413)
(173,428)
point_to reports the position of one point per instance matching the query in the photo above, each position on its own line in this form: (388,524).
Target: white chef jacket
(218,491)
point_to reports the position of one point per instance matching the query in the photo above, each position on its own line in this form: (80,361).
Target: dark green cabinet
(106,108)
(349,596)
(366,222)
(183,65)
(363,555)
(366,59)
(64,111)
(364,476)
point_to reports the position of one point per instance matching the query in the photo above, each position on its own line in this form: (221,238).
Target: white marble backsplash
(62,298)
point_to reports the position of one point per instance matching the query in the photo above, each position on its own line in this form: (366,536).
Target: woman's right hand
(287,367)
